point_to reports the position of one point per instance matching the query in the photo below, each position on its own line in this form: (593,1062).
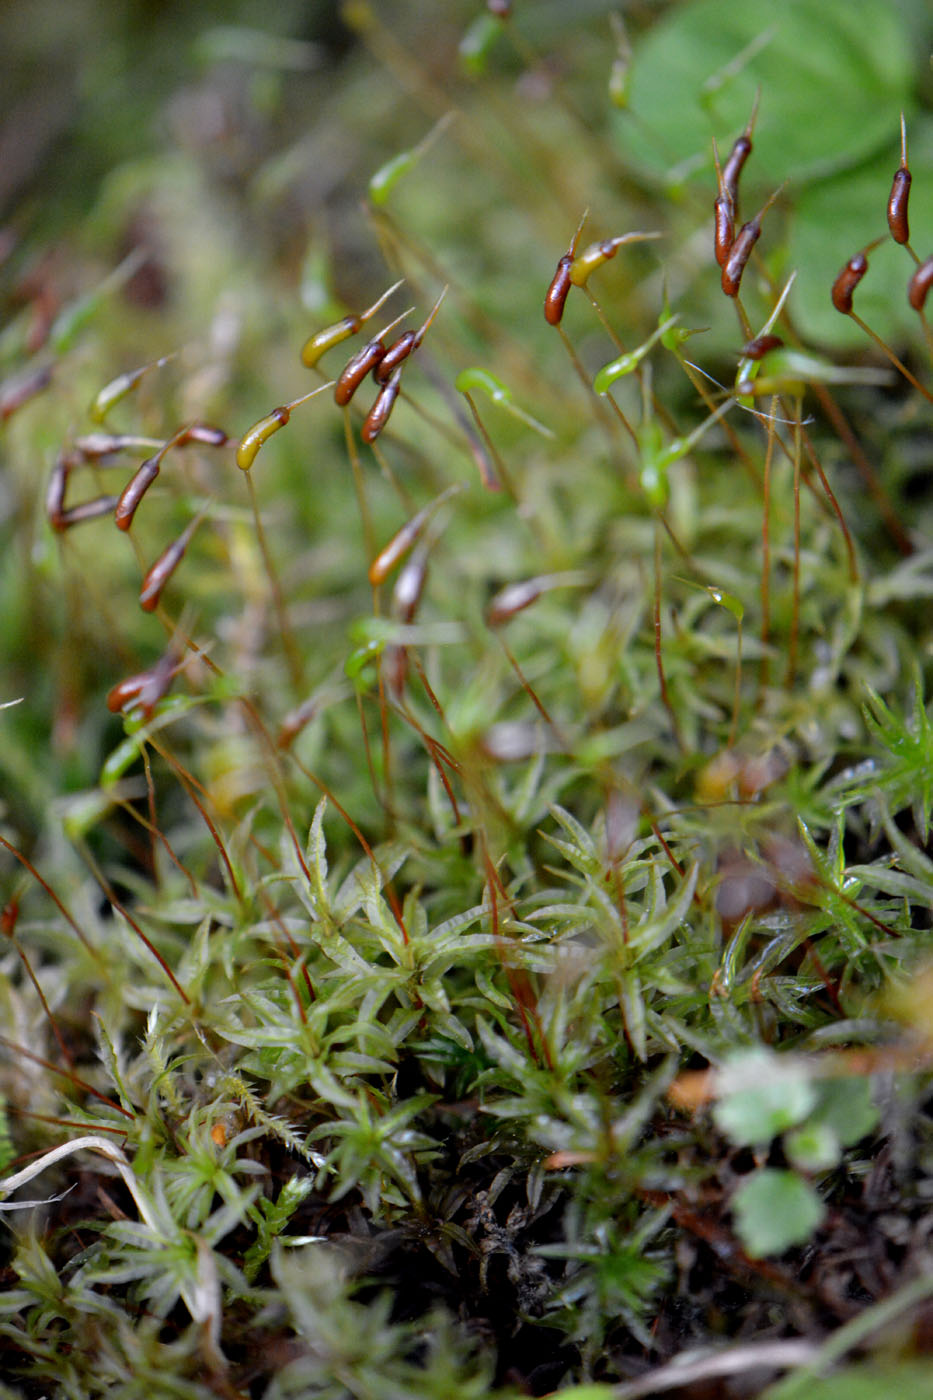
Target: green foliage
(775,1209)
(761,1097)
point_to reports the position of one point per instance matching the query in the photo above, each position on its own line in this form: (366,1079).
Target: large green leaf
(774,1209)
(833,80)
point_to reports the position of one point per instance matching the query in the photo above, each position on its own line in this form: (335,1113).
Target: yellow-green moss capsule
(323,340)
(586,263)
(111,394)
(259,434)
(382,183)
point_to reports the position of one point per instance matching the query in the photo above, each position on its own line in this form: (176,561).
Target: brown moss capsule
(724,215)
(920,284)
(398,546)
(93,446)
(356,370)
(756,349)
(900,194)
(61,519)
(87,510)
(724,227)
(407,343)
(144,690)
(897,206)
(16,392)
(398,351)
(134,491)
(203,433)
(55,492)
(735,164)
(741,150)
(556,295)
(741,250)
(163,568)
(739,254)
(513,598)
(847,281)
(378,415)
(125,691)
(409,586)
(403,539)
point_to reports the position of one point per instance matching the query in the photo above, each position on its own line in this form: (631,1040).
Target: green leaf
(814,1147)
(773,1210)
(761,1096)
(846,1107)
(840,71)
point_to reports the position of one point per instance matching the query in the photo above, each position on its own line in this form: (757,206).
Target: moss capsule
(403,539)
(120,387)
(756,349)
(259,434)
(161,571)
(55,492)
(556,295)
(356,370)
(920,284)
(143,691)
(134,491)
(409,586)
(203,433)
(323,340)
(398,351)
(897,206)
(847,281)
(378,415)
(385,179)
(406,344)
(93,446)
(262,431)
(87,510)
(724,223)
(739,254)
(735,164)
(514,598)
(741,250)
(899,197)
(592,257)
